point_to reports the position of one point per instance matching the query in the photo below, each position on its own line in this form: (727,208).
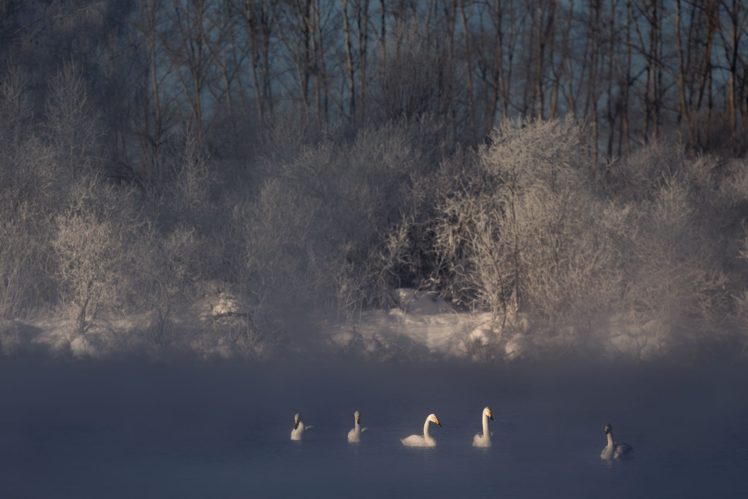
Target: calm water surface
(196,430)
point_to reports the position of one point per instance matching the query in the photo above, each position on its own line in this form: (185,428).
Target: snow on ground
(422,323)
(220,324)
(215,325)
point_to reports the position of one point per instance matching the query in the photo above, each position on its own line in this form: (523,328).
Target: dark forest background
(577,164)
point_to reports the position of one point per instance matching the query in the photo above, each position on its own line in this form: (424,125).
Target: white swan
(484,439)
(354,436)
(422,441)
(613,450)
(298,427)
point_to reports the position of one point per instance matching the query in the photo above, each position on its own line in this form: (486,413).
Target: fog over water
(187,429)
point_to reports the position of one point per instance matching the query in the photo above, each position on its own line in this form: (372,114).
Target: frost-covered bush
(190,190)
(95,246)
(323,228)
(28,194)
(529,231)
(32,187)
(533,228)
(167,271)
(675,284)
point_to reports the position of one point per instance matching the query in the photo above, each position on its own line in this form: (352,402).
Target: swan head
(296,420)
(487,413)
(357,417)
(433,419)
(608,429)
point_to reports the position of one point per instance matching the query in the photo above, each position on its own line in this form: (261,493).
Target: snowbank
(422,325)
(222,324)
(217,324)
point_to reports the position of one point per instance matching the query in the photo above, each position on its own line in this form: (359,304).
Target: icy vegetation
(518,248)
(223,180)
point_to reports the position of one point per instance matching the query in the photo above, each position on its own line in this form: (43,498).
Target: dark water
(190,430)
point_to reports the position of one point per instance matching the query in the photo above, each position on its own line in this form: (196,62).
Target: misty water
(120,429)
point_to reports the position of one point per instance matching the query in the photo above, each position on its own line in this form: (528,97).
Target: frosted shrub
(31,187)
(24,280)
(191,189)
(534,229)
(673,270)
(94,247)
(529,233)
(639,176)
(323,229)
(675,246)
(282,241)
(167,275)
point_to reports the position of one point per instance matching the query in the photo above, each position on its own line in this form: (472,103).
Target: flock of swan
(612,449)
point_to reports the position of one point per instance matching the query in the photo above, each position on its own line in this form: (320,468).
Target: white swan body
(484,439)
(613,449)
(425,440)
(354,436)
(298,428)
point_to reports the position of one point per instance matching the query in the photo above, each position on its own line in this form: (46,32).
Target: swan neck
(485,426)
(426,429)
(610,440)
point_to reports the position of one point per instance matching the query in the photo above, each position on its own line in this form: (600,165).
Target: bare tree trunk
(545,26)
(611,105)
(594,62)
(680,75)
(305,64)
(559,67)
(153,121)
(566,70)
(659,73)
(731,44)
(382,38)
(82,319)
(348,61)
(528,87)
(498,60)
(258,19)
(625,124)
(362,24)
(469,69)
(705,86)
(323,76)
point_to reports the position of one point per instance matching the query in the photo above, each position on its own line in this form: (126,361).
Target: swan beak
(295,425)
(438,423)
(490,416)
